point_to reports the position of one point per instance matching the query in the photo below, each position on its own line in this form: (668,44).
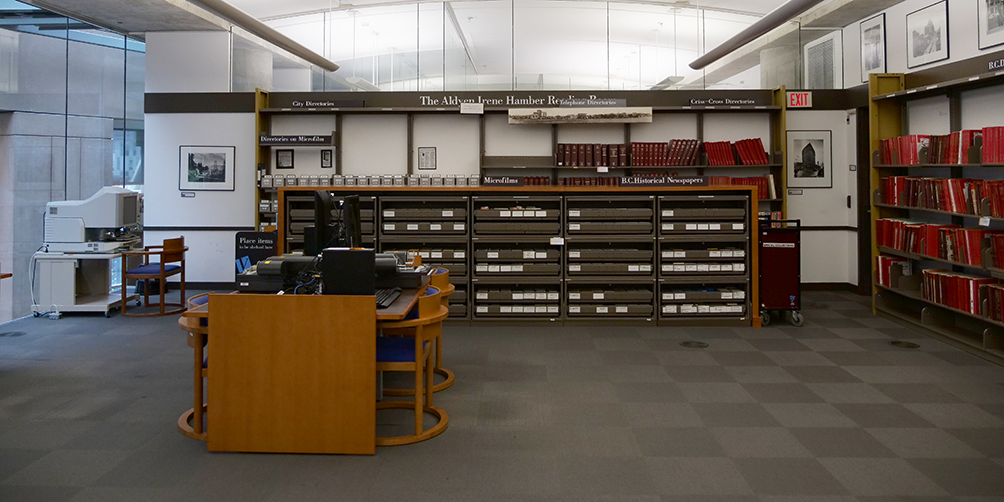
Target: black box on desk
(348,271)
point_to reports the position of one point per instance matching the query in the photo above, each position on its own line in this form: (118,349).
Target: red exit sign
(800,99)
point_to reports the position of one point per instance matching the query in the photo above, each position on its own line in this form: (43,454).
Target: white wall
(505,139)
(188,61)
(374,144)
(306,159)
(457,139)
(829,256)
(164,206)
(962,38)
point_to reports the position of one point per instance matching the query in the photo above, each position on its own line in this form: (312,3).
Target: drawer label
(552,295)
(574,254)
(388,226)
(540,255)
(493,254)
(459,227)
(574,214)
(622,310)
(412,226)
(574,309)
(715,226)
(517,296)
(575,268)
(598,296)
(447,213)
(602,310)
(435,227)
(667,212)
(528,255)
(482,309)
(482,296)
(574,226)
(540,214)
(437,254)
(459,254)
(505,214)
(388,214)
(574,296)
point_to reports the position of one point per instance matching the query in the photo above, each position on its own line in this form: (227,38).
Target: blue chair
(171,262)
(414,354)
(440,279)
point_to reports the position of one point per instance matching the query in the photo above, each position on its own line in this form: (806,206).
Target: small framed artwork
(873,46)
(284,159)
(427,158)
(809,159)
(326,159)
(927,35)
(206,168)
(991,20)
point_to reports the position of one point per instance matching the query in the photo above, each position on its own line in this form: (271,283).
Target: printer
(107,221)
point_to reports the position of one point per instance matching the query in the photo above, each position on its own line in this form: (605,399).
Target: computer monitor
(352,222)
(324,233)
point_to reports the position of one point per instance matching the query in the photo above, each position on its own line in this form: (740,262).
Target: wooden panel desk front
(292,374)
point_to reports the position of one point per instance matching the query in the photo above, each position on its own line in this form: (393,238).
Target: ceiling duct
(771,20)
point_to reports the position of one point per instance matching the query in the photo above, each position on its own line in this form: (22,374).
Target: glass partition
(556,45)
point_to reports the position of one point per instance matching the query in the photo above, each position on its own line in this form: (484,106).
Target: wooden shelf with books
(937,220)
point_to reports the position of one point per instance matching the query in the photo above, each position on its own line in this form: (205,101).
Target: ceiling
(563,39)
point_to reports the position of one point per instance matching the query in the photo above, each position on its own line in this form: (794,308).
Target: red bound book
(604,155)
(568,155)
(588,148)
(740,147)
(764,159)
(664,153)
(580,152)
(672,158)
(598,155)
(559,158)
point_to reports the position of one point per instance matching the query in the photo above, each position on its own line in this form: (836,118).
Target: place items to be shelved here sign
(800,99)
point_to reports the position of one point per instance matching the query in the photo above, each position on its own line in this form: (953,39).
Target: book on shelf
(993,153)
(994,294)
(884,266)
(944,241)
(956,195)
(950,148)
(589,155)
(770,216)
(953,289)
(997,250)
(751,152)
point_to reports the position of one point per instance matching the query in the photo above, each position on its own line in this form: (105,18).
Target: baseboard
(830,286)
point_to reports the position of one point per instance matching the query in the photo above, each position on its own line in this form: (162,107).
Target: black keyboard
(385,297)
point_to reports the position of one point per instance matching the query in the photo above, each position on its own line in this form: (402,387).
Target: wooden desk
(294,373)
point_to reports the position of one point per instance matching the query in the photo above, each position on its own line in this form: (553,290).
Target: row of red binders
(947,242)
(914,149)
(956,290)
(765,184)
(956,195)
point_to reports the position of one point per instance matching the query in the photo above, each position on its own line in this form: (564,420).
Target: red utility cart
(780,270)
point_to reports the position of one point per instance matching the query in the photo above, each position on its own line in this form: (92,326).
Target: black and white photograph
(927,35)
(873,46)
(809,159)
(991,22)
(580,115)
(326,157)
(284,159)
(206,168)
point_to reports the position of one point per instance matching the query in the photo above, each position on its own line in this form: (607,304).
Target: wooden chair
(414,354)
(190,422)
(170,253)
(440,280)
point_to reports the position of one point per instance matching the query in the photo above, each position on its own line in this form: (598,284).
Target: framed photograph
(206,168)
(991,20)
(326,159)
(809,159)
(284,159)
(927,35)
(873,46)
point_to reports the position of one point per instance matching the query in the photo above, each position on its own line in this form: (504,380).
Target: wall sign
(800,99)
(502,181)
(427,158)
(664,181)
(301,140)
(252,247)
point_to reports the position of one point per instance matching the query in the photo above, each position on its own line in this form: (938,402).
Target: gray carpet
(826,412)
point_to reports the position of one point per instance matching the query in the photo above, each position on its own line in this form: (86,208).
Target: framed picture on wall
(206,168)
(284,159)
(810,160)
(873,46)
(326,159)
(927,35)
(991,22)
